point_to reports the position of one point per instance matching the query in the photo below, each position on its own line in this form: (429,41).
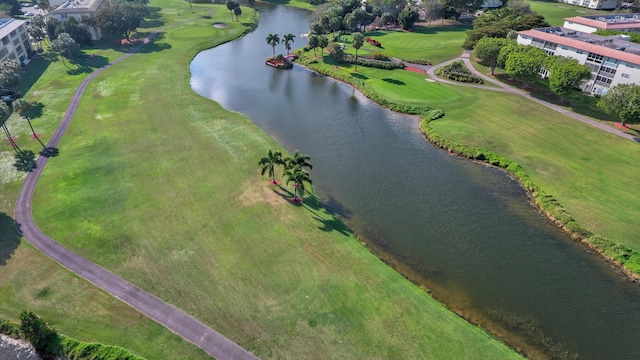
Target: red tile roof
(581,45)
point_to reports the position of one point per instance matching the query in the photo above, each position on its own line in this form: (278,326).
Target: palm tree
(287,39)
(22,106)
(4,115)
(314,43)
(269,162)
(298,177)
(358,40)
(273,40)
(299,160)
(323,42)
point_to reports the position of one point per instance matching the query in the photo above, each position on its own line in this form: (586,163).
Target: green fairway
(431,43)
(555,12)
(162,187)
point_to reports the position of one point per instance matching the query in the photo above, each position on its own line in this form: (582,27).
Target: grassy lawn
(162,187)
(555,12)
(432,43)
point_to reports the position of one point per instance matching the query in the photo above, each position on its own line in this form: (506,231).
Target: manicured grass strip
(162,187)
(432,43)
(556,12)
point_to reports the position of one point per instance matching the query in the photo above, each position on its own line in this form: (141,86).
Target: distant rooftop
(609,22)
(75,6)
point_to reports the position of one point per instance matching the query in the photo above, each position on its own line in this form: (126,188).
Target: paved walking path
(502,87)
(171,317)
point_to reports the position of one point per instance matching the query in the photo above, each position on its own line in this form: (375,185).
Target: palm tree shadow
(9,237)
(35,110)
(333,224)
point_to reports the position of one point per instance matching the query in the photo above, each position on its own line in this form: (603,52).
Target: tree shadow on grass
(9,237)
(394,81)
(33,71)
(36,110)
(87,63)
(333,224)
(151,23)
(359,76)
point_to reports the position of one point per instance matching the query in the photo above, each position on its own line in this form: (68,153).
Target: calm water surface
(467,231)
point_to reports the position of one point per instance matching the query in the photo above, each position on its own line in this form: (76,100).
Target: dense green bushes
(42,336)
(457,71)
(387,65)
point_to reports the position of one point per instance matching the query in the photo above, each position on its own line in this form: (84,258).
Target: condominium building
(14,40)
(613,59)
(593,4)
(591,24)
(78,9)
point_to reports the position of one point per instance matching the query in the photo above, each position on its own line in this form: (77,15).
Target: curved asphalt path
(164,313)
(430,70)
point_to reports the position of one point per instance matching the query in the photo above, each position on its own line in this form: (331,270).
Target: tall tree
(314,43)
(407,17)
(268,163)
(622,100)
(38,29)
(336,52)
(65,46)
(10,74)
(273,40)
(120,18)
(237,11)
(433,9)
(463,6)
(288,39)
(565,75)
(323,42)
(298,159)
(42,336)
(231,4)
(358,41)
(488,49)
(525,64)
(299,177)
(22,106)
(4,115)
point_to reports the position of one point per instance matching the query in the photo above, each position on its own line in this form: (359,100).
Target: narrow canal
(464,230)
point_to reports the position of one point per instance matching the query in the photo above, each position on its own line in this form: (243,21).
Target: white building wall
(602,4)
(16,45)
(579,27)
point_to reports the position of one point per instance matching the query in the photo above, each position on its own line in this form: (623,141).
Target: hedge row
(76,350)
(379,64)
(419,62)
(627,259)
(460,77)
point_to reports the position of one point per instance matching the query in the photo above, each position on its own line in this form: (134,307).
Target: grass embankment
(30,280)
(162,187)
(555,12)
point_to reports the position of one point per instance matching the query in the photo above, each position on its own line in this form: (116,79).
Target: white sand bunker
(430,80)
(220,25)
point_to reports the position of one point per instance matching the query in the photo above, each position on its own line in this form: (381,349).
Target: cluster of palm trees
(274,39)
(293,170)
(25,160)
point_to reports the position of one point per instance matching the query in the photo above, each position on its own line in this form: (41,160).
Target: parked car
(29,13)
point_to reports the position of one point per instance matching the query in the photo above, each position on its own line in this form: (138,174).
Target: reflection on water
(464,230)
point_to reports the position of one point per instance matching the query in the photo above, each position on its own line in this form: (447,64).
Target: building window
(626,76)
(595,58)
(13,34)
(5,41)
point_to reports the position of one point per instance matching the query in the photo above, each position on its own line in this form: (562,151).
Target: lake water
(465,231)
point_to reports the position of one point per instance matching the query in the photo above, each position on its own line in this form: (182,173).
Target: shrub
(373,42)
(387,65)
(419,62)
(9,328)
(457,71)
(379,56)
(77,350)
